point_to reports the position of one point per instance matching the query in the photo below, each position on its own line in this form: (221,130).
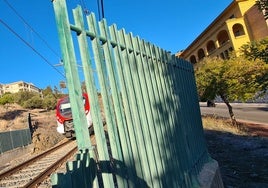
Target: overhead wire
(100,9)
(86,11)
(25,22)
(37,34)
(29,45)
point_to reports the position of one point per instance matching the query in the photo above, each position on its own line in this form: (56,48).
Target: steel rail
(30,161)
(42,176)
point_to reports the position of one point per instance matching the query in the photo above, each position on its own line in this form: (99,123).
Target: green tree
(235,79)
(49,102)
(23,96)
(256,50)
(47,91)
(263,6)
(34,102)
(7,98)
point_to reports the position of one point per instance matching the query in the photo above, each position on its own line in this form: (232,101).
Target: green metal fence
(154,135)
(10,140)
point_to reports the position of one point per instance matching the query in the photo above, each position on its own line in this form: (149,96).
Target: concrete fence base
(210,176)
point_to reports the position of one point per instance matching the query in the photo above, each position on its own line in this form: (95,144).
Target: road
(252,112)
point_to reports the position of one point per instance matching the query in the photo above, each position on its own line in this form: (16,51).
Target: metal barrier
(10,140)
(154,135)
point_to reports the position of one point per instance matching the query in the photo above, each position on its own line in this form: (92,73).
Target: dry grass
(13,117)
(221,124)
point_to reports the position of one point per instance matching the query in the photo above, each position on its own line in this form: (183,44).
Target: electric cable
(29,45)
(100,9)
(25,22)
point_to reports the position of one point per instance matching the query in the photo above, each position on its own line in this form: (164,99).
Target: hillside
(14,117)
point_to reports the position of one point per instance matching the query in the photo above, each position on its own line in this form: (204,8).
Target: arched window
(222,37)
(210,46)
(193,59)
(201,54)
(238,30)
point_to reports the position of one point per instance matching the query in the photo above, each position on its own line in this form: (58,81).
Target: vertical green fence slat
(191,127)
(72,77)
(169,109)
(132,153)
(174,118)
(119,110)
(175,96)
(143,107)
(175,108)
(199,148)
(88,70)
(130,69)
(172,71)
(159,124)
(100,136)
(149,101)
(89,78)
(187,129)
(183,100)
(120,123)
(187,124)
(160,111)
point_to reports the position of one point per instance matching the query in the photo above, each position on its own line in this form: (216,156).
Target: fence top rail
(175,61)
(2,132)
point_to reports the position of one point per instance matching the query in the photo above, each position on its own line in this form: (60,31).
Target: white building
(18,86)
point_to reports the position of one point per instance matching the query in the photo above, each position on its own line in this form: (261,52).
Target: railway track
(34,171)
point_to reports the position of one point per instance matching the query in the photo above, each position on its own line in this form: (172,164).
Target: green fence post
(72,76)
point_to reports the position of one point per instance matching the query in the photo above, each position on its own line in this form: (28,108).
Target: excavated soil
(45,136)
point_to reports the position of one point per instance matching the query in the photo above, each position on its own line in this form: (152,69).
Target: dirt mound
(14,117)
(44,139)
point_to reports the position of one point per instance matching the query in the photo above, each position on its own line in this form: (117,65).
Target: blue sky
(29,49)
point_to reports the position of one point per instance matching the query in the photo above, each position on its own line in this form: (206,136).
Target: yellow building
(240,23)
(18,86)
(1,90)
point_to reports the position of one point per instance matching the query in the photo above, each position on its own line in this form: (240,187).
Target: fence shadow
(83,171)
(11,115)
(241,158)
